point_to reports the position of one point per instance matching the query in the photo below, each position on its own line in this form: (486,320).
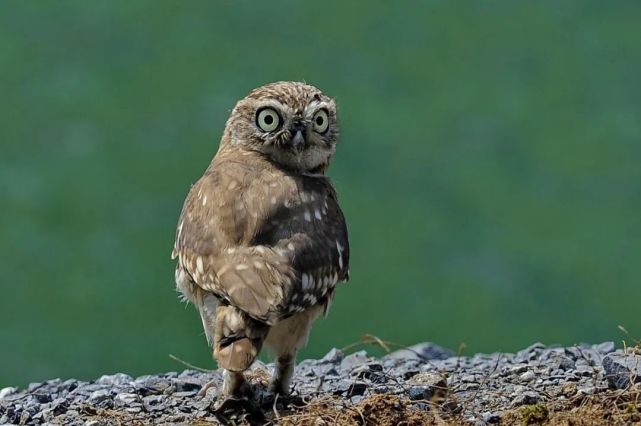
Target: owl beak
(298,141)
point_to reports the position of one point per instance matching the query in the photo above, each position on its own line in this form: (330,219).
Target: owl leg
(234,384)
(237,342)
(285,339)
(282,378)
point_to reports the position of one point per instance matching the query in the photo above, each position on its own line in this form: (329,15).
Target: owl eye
(268,119)
(321,121)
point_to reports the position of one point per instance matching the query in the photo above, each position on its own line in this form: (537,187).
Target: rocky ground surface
(424,384)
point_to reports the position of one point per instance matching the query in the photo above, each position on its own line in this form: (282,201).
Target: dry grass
(621,407)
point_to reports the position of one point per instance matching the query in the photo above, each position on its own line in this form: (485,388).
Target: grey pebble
(99,396)
(528,376)
(491,417)
(351,361)
(126,399)
(114,379)
(622,369)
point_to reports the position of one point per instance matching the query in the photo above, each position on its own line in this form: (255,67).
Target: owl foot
(234,386)
(209,385)
(239,405)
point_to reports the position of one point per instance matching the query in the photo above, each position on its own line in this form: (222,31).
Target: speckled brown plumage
(261,240)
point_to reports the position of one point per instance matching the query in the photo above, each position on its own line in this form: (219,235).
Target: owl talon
(279,389)
(203,391)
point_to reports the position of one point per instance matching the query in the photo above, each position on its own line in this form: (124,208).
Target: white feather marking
(304,282)
(180,228)
(199,265)
(308,216)
(339,248)
(317,213)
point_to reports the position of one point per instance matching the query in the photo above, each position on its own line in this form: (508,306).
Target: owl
(261,241)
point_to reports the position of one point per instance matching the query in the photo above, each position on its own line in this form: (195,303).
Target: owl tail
(237,339)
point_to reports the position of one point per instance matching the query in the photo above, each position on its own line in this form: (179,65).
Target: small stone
(584,370)
(604,348)
(350,361)
(528,376)
(32,387)
(187,385)
(383,389)
(69,385)
(117,379)
(560,362)
(622,369)
(356,399)
(469,378)
(42,398)
(490,417)
(430,379)
(125,399)
(99,396)
(518,369)
(334,356)
(154,402)
(420,392)
(587,390)
(371,371)
(424,351)
(186,394)
(5,392)
(25,417)
(526,398)
(530,353)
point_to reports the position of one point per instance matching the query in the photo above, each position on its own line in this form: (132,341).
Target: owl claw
(203,391)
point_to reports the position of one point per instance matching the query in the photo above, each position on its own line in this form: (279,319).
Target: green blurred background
(489,168)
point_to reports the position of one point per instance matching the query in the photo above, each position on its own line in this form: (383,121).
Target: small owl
(261,241)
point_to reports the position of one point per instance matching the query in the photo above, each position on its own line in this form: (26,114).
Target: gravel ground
(478,389)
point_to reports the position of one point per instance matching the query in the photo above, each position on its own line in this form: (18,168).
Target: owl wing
(320,250)
(266,244)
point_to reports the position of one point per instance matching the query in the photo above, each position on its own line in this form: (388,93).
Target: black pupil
(269,119)
(319,121)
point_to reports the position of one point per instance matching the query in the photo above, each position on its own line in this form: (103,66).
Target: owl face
(292,123)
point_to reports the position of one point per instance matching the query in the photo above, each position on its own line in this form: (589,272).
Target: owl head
(292,123)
